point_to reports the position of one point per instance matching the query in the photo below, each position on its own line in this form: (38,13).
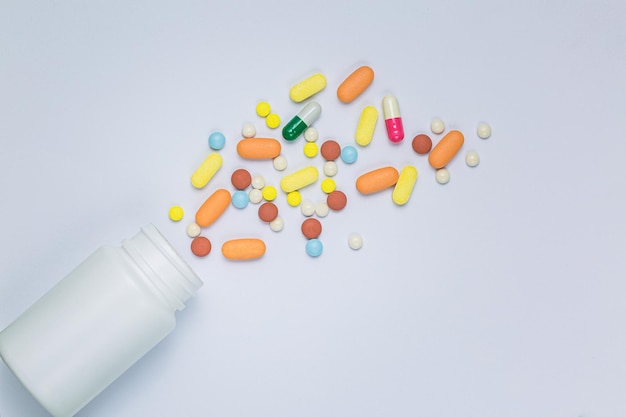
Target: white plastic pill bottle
(97,321)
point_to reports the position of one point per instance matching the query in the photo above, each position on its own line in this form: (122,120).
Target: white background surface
(499,294)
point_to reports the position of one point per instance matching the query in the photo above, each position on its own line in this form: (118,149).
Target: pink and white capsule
(393,121)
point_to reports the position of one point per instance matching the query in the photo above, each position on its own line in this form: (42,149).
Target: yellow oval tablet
(243,249)
(299,179)
(377,180)
(366,126)
(213,207)
(445,149)
(308,87)
(207,169)
(258,148)
(404,186)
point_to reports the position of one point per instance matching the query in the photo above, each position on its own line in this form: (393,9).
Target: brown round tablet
(422,144)
(311,228)
(241,179)
(336,200)
(330,150)
(200,246)
(268,212)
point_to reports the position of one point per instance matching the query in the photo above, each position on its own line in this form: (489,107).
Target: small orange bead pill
(258,148)
(355,84)
(377,180)
(445,150)
(243,249)
(213,207)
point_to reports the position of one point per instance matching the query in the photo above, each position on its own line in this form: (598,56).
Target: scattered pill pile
(253,189)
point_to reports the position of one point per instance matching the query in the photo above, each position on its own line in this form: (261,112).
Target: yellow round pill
(263,108)
(176,213)
(294,198)
(328,185)
(310,149)
(272,121)
(269,193)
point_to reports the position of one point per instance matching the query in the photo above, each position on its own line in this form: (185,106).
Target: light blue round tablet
(314,248)
(349,154)
(217,140)
(240,199)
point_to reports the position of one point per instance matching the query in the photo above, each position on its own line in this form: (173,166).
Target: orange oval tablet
(355,84)
(445,150)
(243,249)
(213,207)
(258,148)
(377,180)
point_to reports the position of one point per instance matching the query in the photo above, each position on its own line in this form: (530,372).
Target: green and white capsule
(305,118)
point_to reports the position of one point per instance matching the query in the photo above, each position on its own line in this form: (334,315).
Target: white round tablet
(483,130)
(248,130)
(437,126)
(355,241)
(442,176)
(280,163)
(472,159)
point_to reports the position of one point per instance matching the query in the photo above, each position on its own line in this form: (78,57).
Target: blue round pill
(314,247)
(349,154)
(240,199)
(217,140)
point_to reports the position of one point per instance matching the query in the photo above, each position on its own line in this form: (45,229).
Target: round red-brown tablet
(200,246)
(330,150)
(422,144)
(336,200)
(241,179)
(311,228)
(268,212)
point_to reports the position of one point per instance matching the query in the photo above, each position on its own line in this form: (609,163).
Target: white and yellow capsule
(299,179)
(207,169)
(404,186)
(366,126)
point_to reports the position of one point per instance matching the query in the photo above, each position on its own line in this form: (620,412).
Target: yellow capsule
(366,126)
(294,198)
(269,193)
(299,179)
(308,87)
(404,186)
(203,174)
(310,149)
(328,185)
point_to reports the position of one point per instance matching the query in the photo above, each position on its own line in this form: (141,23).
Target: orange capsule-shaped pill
(213,207)
(445,150)
(243,249)
(258,148)
(355,84)
(377,180)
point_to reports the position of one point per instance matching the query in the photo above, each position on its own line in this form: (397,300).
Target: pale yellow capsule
(308,87)
(366,126)
(206,170)
(404,186)
(299,179)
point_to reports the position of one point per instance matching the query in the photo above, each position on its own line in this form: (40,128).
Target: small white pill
(307,208)
(277,224)
(193,230)
(255,195)
(258,182)
(355,241)
(322,209)
(437,126)
(472,159)
(310,134)
(248,130)
(330,168)
(280,163)
(442,176)
(483,130)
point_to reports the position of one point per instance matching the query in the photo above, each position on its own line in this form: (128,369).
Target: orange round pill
(241,179)
(336,200)
(200,246)
(311,228)
(422,144)
(330,150)
(268,212)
